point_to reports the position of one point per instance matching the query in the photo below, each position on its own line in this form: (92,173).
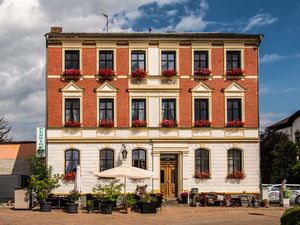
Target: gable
(234,87)
(201,87)
(72,87)
(106,87)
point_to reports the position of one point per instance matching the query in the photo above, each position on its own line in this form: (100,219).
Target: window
(72,109)
(106,109)
(106,159)
(71,160)
(234,160)
(200,60)
(202,160)
(233,60)
(201,109)
(297,137)
(169,109)
(138,109)
(168,60)
(234,111)
(72,59)
(139,158)
(106,60)
(137,60)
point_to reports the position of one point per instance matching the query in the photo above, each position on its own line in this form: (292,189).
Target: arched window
(202,160)
(139,158)
(106,159)
(234,157)
(71,160)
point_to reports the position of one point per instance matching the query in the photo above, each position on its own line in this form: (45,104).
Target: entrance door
(168,178)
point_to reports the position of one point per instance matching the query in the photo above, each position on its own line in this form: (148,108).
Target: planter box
(148,207)
(72,208)
(45,206)
(106,208)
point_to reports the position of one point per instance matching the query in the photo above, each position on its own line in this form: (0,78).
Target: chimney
(56,29)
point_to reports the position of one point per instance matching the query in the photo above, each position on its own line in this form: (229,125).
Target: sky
(23,24)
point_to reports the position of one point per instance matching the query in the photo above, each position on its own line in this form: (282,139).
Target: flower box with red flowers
(236,175)
(202,174)
(235,72)
(106,123)
(72,73)
(202,123)
(69,176)
(139,123)
(202,72)
(235,123)
(71,123)
(169,123)
(138,73)
(106,73)
(169,73)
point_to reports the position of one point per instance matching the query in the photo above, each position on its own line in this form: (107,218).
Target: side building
(183,105)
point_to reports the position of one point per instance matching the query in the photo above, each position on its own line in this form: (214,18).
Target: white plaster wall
(154,112)
(153,60)
(295,127)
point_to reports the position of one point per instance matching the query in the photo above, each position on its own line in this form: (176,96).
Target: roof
(287,122)
(17,142)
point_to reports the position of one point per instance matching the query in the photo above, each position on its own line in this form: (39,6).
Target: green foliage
(291,216)
(108,193)
(90,204)
(74,196)
(130,200)
(287,193)
(296,173)
(42,182)
(146,198)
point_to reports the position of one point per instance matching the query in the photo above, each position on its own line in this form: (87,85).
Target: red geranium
(202,72)
(235,72)
(106,73)
(169,73)
(202,174)
(106,123)
(69,176)
(235,123)
(72,72)
(184,194)
(138,73)
(202,123)
(169,123)
(236,175)
(71,123)
(139,123)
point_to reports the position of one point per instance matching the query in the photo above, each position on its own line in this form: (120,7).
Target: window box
(71,74)
(235,73)
(235,123)
(138,73)
(106,123)
(106,73)
(238,175)
(139,123)
(169,123)
(202,174)
(69,176)
(202,123)
(71,123)
(202,72)
(169,73)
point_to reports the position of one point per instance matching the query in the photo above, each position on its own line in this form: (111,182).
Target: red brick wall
(185,61)
(122,61)
(54,103)
(251,61)
(89,61)
(54,61)
(217,60)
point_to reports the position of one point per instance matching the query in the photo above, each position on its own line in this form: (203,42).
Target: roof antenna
(107,21)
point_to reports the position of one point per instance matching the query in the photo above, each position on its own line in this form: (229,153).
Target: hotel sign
(40,142)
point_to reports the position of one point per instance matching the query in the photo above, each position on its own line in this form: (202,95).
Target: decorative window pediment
(72,89)
(201,90)
(106,89)
(234,89)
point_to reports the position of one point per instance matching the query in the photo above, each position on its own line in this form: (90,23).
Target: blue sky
(24,22)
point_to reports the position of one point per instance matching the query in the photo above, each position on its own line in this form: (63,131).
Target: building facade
(183,105)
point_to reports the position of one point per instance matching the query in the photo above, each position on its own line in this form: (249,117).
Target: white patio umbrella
(78,179)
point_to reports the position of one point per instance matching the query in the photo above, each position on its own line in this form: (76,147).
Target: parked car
(274,193)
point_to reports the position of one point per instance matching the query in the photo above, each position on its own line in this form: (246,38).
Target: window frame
(174,52)
(105,60)
(64,57)
(201,160)
(64,109)
(145,108)
(207,108)
(175,109)
(65,161)
(105,160)
(240,109)
(297,137)
(106,100)
(199,60)
(139,159)
(233,159)
(138,52)
(234,48)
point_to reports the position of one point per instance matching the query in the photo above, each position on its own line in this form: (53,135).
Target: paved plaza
(173,215)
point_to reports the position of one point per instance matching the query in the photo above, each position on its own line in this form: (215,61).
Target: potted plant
(106,73)
(169,73)
(130,202)
(89,206)
(264,203)
(72,73)
(148,204)
(169,123)
(238,175)
(202,72)
(72,123)
(184,197)
(106,123)
(42,182)
(69,177)
(235,72)
(138,73)
(107,195)
(201,123)
(72,207)
(139,123)
(202,174)
(235,123)
(287,193)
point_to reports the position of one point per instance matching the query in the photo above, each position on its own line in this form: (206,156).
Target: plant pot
(72,208)
(148,207)
(128,210)
(45,206)
(184,200)
(106,208)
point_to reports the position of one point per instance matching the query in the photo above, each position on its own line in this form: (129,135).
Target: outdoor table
(235,202)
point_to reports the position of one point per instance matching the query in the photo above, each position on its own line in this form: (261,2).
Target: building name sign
(40,142)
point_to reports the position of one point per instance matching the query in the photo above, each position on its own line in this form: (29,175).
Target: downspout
(46,99)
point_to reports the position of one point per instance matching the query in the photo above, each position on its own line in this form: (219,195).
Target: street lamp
(124,152)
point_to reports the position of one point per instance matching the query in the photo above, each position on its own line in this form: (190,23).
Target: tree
(4,130)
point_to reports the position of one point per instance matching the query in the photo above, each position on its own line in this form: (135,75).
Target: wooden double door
(168,178)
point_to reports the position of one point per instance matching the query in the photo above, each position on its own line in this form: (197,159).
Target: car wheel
(297,200)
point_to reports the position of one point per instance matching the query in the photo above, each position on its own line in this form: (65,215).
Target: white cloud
(259,20)
(191,23)
(269,58)
(269,118)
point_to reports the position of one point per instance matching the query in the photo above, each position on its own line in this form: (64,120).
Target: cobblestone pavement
(173,215)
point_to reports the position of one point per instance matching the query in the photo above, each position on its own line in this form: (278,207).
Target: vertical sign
(40,142)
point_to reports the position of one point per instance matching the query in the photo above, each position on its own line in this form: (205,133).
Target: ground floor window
(71,160)
(139,158)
